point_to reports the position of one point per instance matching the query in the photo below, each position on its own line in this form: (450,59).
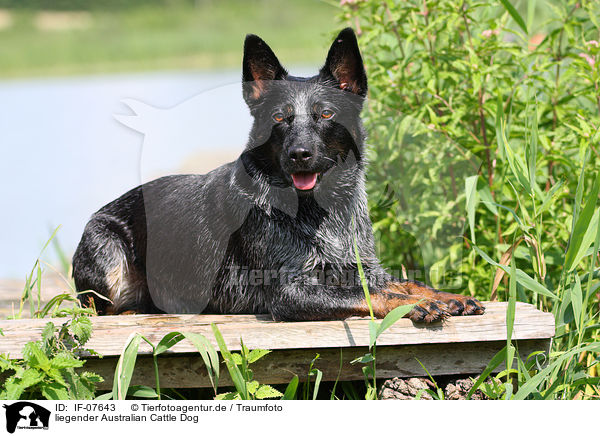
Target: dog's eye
(278,117)
(326,114)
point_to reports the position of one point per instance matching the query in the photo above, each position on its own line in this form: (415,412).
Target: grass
(182,36)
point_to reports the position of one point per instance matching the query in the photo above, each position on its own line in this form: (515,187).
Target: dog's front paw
(429,311)
(463,305)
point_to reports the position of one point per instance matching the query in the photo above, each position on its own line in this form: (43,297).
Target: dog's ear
(260,66)
(345,64)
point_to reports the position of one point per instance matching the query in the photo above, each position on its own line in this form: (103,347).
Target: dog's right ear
(260,66)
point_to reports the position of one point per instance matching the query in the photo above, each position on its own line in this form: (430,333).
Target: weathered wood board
(460,345)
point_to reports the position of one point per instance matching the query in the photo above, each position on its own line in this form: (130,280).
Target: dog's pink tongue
(304,181)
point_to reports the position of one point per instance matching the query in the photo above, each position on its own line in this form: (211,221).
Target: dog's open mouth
(304,181)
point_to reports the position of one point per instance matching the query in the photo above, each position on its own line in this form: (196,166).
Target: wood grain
(111,332)
(278,367)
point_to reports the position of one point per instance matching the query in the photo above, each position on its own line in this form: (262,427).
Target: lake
(65,151)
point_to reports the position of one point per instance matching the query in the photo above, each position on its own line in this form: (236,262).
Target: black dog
(272,232)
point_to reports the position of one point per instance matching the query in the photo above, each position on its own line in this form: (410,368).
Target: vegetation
(484,127)
(112,36)
(483,120)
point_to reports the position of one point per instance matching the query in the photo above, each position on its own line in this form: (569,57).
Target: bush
(484,141)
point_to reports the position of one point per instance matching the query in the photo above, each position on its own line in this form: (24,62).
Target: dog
(282,230)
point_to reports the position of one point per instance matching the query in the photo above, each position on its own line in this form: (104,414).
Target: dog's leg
(303,302)
(455,304)
(103,263)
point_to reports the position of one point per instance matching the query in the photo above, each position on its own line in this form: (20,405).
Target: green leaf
(472,200)
(532,384)
(82,328)
(580,229)
(372,333)
(486,196)
(66,360)
(319,376)
(252,387)
(510,312)
(367,358)
(515,14)
(290,391)
(588,238)
(515,163)
(532,149)
(390,319)
(209,356)
(522,278)
(234,371)
(549,198)
(141,392)
(496,361)
(577,301)
(91,377)
(168,341)
(15,386)
(237,359)
(48,332)
(55,391)
(257,354)
(228,396)
(35,357)
(361,272)
(125,367)
(266,391)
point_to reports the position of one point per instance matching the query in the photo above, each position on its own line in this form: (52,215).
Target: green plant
(48,367)
(238,365)
(375,330)
(505,101)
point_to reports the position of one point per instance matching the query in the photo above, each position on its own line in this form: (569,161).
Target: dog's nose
(299,154)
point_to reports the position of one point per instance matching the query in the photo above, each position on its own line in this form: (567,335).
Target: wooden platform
(461,345)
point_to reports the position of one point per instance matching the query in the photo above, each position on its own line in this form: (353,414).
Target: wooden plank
(278,367)
(110,332)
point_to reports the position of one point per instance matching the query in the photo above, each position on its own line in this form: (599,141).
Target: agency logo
(26,415)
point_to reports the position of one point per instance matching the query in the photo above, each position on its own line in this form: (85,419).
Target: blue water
(63,154)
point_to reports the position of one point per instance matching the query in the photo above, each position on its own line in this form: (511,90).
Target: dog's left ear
(260,65)
(345,64)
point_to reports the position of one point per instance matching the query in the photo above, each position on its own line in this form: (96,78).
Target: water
(63,154)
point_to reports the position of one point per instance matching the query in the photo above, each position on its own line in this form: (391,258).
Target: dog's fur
(261,234)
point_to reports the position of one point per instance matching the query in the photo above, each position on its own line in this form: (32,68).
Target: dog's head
(304,127)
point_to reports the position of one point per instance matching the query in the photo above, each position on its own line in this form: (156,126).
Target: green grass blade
(576,242)
(579,192)
(577,301)
(209,356)
(515,14)
(290,391)
(535,381)
(549,197)
(510,312)
(390,319)
(142,392)
(318,378)
(125,367)
(532,149)
(515,163)
(522,277)
(234,372)
(168,341)
(361,272)
(472,200)
(496,361)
